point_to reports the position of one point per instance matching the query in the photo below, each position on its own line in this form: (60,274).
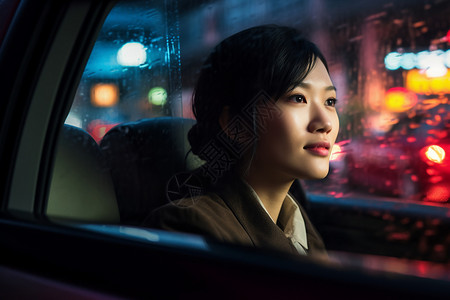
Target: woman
(265,110)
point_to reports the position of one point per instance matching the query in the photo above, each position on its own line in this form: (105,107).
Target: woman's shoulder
(200,202)
(207,215)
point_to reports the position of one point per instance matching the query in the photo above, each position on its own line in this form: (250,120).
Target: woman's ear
(224,117)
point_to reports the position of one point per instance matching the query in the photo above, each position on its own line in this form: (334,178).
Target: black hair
(271,59)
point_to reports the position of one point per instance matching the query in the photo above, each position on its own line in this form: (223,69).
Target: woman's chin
(317,175)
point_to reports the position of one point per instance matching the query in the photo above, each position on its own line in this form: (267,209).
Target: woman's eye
(297,99)
(331,102)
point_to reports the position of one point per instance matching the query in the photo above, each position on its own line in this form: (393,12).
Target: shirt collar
(292,219)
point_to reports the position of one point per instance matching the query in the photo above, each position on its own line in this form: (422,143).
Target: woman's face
(298,142)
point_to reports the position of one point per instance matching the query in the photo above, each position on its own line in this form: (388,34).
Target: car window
(133,71)
(387,192)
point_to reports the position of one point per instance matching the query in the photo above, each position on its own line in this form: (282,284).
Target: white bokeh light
(132,55)
(434,64)
(447,58)
(437,70)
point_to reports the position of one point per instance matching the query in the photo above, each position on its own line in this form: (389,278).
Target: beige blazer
(231,213)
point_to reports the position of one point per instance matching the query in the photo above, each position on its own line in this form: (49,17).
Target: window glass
(388,188)
(133,71)
(390,65)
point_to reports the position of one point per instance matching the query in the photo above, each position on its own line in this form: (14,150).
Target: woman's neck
(271,191)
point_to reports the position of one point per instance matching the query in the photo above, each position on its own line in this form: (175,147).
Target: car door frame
(38,89)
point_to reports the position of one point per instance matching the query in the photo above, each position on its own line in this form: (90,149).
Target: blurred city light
(421,59)
(132,55)
(435,154)
(98,128)
(434,62)
(399,99)
(392,61)
(336,152)
(436,70)
(104,95)
(447,58)
(408,61)
(418,82)
(157,96)
(438,193)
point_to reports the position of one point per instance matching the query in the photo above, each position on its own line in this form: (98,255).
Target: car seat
(142,157)
(81,188)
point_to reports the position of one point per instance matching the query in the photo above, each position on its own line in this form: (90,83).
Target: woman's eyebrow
(308,86)
(331,88)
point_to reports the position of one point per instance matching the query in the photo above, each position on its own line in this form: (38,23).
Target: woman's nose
(320,121)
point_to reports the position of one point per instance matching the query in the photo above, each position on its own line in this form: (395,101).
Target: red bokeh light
(438,193)
(411,139)
(98,128)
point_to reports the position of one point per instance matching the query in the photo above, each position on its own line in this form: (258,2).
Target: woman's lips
(320,149)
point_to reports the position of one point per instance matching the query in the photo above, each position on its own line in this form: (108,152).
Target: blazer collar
(256,222)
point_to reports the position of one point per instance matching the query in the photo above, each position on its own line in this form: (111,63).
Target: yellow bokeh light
(418,82)
(400,99)
(104,95)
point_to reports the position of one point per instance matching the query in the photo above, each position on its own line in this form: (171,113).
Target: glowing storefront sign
(418,82)
(434,62)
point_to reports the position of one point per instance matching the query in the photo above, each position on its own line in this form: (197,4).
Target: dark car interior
(142,157)
(72,201)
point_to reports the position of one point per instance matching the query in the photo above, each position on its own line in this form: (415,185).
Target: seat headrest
(143,156)
(81,188)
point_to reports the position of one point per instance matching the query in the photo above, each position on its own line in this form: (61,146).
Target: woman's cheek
(335,127)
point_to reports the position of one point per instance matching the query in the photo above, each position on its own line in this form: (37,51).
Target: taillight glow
(98,128)
(438,193)
(435,154)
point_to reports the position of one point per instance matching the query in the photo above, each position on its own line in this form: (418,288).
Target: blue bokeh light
(392,61)
(408,61)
